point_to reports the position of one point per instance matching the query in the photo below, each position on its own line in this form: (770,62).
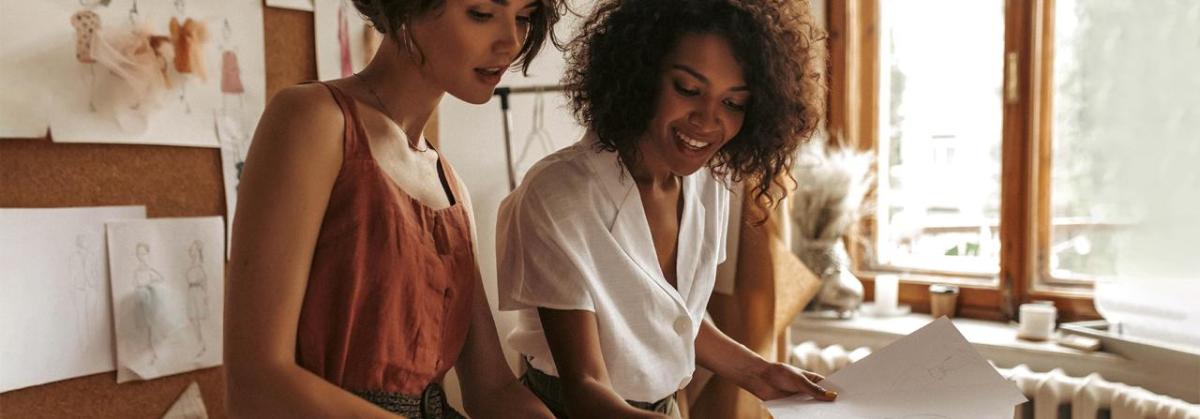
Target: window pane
(941,69)
(1125,111)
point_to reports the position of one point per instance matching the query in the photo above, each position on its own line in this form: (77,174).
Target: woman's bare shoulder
(305,120)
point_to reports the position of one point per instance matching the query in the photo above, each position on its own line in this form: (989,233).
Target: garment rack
(504,92)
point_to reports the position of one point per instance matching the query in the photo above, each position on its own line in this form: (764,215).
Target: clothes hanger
(133,14)
(537,132)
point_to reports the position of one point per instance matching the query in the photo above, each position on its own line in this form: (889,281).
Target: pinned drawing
(305,5)
(55,314)
(189,405)
(166,295)
(87,26)
(233,127)
(197,283)
(345,41)
(130,71)
(149,299)
(89,287)
(343,35)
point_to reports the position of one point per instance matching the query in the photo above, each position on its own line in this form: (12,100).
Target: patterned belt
(430,404)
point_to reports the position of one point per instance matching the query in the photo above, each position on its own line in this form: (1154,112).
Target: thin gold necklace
(388,112)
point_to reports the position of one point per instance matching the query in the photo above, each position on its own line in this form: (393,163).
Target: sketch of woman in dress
(87,27)
(197,282)
(147,281)
(343,34)
(230,122)
(85,283)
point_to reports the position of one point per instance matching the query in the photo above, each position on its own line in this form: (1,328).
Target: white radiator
(1052,394)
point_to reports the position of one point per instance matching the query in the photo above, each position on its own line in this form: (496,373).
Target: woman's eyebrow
(531,4)
(696,74)
(691,71)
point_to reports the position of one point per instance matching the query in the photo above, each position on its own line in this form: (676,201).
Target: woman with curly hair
(609,248)
(353,281)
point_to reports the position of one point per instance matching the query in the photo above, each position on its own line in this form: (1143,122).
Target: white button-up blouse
(574,236)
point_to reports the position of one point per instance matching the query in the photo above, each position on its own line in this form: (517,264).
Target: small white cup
(887,291)
(1037,321)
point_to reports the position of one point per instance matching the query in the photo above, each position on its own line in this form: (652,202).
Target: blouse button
(683,325)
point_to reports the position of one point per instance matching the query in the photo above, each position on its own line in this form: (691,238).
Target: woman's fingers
(817,391)
(805,382)
(810,380)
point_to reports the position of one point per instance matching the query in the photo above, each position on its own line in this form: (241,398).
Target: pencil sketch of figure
(197,283)
(147,280)
(932,371)
(85,284)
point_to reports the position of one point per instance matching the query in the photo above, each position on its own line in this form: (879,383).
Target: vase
(840,291)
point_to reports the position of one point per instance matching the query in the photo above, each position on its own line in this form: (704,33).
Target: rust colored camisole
(389,294)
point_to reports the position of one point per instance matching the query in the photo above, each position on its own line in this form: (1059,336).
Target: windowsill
(987,337)
(998,343)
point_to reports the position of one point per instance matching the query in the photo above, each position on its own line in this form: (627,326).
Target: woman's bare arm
(575,345)
(284,190)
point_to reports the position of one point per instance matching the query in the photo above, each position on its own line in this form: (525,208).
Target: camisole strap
(354,146)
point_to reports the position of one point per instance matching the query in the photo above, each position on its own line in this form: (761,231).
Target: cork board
(170,182)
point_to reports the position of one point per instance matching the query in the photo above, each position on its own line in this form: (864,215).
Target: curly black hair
(615,64)
(389,17)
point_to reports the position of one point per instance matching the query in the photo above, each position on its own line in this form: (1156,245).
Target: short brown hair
(388,16)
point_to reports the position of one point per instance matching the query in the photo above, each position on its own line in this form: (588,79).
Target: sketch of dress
(85,283)
(87,28)
(931,372)
(147,280)
(344,40)
(197,295)
(229,120)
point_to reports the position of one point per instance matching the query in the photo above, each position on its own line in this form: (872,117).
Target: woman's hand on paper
(775,380)
(768,380)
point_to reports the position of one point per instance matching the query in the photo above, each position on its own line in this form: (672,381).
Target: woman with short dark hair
(353,281)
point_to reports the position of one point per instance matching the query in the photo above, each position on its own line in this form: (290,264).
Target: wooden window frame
(1025,163)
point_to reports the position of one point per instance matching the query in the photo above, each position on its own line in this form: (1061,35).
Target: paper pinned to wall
(24,107)
(345,41)
(235,146)
(55,308)
(133,72)
(930,374)
(189,405)
(168,288)
(305,5)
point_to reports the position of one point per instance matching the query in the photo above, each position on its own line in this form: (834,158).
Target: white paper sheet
(344,41)
(235,144)
(306,5)
(168,287)
(55,305)
(47,85)
(932,373)
(189,405)
(24,106)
